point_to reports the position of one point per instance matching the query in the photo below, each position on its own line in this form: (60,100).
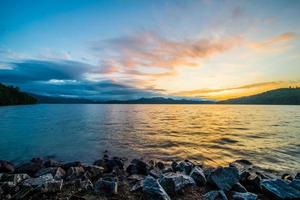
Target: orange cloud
(273,42)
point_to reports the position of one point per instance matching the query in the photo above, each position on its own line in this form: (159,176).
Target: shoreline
(110,178)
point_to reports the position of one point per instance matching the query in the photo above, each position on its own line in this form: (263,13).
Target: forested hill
(283,96)
(10,95)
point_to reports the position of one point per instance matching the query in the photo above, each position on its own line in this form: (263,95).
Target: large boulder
(138,166)
(75,172)
(278,189)
(153,190)
(94,171)
(110,164)
(215,195)
(6,167)
(198,176)
(224,178)
(239,188)
(57,172)
(175,182)
(13,179)
(107,185)
(244,196)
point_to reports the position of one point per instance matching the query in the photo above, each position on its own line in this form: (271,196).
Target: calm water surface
(214,134)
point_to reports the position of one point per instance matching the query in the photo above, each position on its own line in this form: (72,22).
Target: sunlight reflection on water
(214,134)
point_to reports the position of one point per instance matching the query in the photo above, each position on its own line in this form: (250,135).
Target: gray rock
(138,186)
(153,190)
(224,178)
(13,179)
(167,170)
(94,170)
(156,173)
(239,188)
(174,165)
(185,166)
(39,181)
(79,185)
(198,176)
(57,172)
(52,186)
(107,185)
(75,172)
(215,195)
(277,188)
(141,166)
(23,192)
(295,184)
(244,196)
(135,178)
(52,163)
(174,182)
(29,168)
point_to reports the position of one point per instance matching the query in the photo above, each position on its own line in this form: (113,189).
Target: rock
(135,178)
(141,166)
(175,182)
(13,179)
(244,196)
(198,176)
(224,178)
(185,166)
(30,167)
(207,171)
(167,170)
(174,165)
(239,188)
(131,169)
(66,166)
(94,171)
(6,167)
(287,177)
(37,160)
(295,184)
(215,195)
(52,163)
(160,165)
(57,172)
(107,185)
(277,188)
(297,176)
(75,172)
(252,182)
(243,166)
(24,191)
(79,185)
(110,165)
(153,190)
(52,186)
(138,186)
(156,173)
(39,181)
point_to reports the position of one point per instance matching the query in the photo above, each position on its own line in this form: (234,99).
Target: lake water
(269,136)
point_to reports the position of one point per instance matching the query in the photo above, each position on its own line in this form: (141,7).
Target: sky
(130,49)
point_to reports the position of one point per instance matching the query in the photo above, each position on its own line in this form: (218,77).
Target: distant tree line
(10,95)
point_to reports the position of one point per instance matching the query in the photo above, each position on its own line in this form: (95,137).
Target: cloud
(200,92)
(128,54)
(275,43)
(67,78)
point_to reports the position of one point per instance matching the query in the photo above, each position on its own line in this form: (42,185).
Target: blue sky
(200,49)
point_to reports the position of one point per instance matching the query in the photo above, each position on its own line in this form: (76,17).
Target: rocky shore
(116,178)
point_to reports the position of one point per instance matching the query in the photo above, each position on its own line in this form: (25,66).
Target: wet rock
(30,167)
(297,176)
(239,188)
(198,176)
(66,166)
(207,171)
(141,166)
(175,182)
(243,166)
(244,196)
(94,171)
(295,184)
(107,185)
(52,186)
(185,166)
(6,167)
(57,172)
(156,173)
(39,181)
(174,165)
(160,165)
(252,182)
(13,179)
(224,178)
(109,165)
(75,172)
(287,177)
(279,189)
(153,190)
(52,163)
(138,186)
(215,195)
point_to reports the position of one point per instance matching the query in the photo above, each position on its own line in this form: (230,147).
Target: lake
(269,136)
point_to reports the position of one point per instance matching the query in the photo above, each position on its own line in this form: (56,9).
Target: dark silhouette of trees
(10,95)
